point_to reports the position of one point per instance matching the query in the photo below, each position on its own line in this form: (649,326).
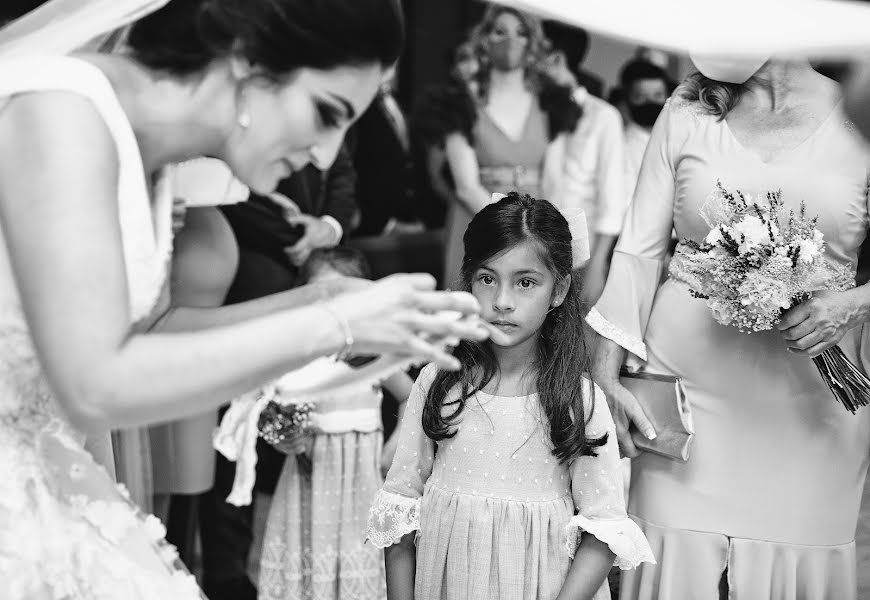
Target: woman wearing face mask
(646,87)
(767,503)
(267,86)
(498,131)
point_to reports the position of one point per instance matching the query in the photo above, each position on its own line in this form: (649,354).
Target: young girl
(493,461)
(313,547)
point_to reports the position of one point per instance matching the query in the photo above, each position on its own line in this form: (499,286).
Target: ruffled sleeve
(442,111)
(596,485)
(395,510)
(623,310)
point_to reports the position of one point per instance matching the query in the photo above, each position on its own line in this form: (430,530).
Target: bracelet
(345,328)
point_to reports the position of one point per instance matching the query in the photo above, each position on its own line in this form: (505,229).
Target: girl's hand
(820,323)
(301,443)
(624,407)
(389,452)
(401,314)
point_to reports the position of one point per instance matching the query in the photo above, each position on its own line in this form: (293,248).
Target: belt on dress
(504,179)
(364,420)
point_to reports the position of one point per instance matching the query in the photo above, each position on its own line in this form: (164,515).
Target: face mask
(507,54)
(645,114)
(727,69)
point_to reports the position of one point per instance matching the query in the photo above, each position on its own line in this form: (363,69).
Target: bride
(267,86)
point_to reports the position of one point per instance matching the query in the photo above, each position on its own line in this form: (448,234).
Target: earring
(243,117)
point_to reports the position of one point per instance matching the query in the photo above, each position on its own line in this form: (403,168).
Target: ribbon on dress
(576,218)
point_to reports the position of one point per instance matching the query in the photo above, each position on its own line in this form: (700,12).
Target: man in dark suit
(381,152)
(275,235)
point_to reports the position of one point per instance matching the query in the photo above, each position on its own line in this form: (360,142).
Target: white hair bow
(576,218)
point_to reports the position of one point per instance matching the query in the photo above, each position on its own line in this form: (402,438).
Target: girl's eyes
(524,283)
(328,115)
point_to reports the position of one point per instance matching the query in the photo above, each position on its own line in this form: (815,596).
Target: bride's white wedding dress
(66,530)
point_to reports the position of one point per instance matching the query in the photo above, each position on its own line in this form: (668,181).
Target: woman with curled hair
(267,86)
(498,132)
(767,503)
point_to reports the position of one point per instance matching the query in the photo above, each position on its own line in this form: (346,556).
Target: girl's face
(298,121)
(516,291)
(508,42)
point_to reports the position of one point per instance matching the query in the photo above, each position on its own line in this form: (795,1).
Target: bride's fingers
(441,325)
(429,353)
(461,302)
(495,334)
(418,281)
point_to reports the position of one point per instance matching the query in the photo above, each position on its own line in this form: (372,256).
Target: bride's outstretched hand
(403,314)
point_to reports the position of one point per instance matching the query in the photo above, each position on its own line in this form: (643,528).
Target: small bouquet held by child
(758,260)
(281,421)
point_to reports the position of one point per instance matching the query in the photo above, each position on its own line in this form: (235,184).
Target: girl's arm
(394,518)
(466,173)
(589,570)
(601,534)
(59,211)
(400,561)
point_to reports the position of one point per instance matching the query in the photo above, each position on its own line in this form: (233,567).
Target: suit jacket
(262,233)
(382,160)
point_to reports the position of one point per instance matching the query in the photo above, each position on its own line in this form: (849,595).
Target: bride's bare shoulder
(53,131)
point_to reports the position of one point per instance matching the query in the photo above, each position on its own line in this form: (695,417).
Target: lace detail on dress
(622,536)
(391,517)
(604,327)
(323,575)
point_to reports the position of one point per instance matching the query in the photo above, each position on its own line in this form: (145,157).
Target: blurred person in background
(380,147)
(506,132)
(574,43)
(433,177)
(275,235)
(647,88)
(592,172)
(313,545)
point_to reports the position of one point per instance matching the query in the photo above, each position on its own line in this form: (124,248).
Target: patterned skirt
(314,544)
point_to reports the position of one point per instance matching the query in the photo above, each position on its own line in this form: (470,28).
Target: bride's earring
(243,117)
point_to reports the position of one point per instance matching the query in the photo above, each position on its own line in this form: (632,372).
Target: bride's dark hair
(563,354)
(278,36)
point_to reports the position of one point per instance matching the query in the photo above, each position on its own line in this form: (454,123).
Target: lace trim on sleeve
(622,536)
(604,327)
(391,517)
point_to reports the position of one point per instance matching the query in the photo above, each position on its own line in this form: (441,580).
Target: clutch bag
(664,401)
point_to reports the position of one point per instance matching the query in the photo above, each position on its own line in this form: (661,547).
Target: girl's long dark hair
(563,355)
